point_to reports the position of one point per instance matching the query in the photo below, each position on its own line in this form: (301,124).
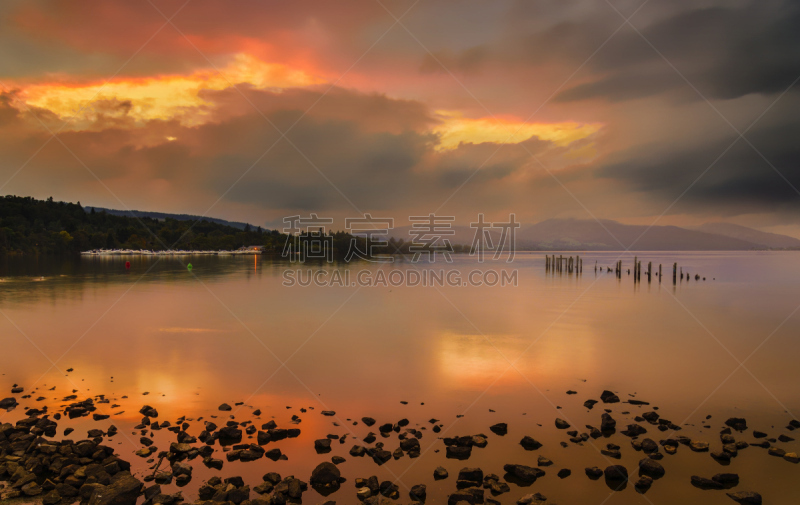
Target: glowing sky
(256,110)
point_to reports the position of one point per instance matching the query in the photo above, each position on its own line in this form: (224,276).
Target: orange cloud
(455,130)
(161,97)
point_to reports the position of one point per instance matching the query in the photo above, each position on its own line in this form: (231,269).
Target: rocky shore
(44,460)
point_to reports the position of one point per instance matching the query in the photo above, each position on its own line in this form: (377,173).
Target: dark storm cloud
(725,51)
(739,182)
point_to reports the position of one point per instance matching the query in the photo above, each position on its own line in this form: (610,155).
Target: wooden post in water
(649,270)
(674,273)
(659,273)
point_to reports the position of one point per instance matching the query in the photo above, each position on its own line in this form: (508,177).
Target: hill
(606,235)
(163,215)
(761,238)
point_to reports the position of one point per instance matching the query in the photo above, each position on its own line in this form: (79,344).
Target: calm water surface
(229,331)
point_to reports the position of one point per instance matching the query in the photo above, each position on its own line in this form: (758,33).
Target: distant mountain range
(582,235)
(607,235)
(164,215)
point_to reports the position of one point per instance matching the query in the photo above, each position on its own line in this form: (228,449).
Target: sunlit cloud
(163,97)
(455,130)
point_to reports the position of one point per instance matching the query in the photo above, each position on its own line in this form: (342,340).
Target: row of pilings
(563,264)
(569,265)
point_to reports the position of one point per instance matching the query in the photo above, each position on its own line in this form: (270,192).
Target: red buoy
(127,265)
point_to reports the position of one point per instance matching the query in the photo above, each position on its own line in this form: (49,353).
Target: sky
(646,112)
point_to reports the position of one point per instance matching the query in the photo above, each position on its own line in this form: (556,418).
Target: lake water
(230,331)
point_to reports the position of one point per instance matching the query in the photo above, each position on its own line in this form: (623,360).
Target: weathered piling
(649,271)
(659,273)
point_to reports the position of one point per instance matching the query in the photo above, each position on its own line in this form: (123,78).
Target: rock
(473,475)
(524,473)
(529,444)
(368,421)
(607,423)
(561,424)
(123,490)
(8,403)
(542,461)
(791,457)
(616,472)
(651,468)
(594,472)
(225,407)
(358,451)
(589,404)
(499,429)
(776,451)
(472,496)
(737,423)
(564,473)
(322,445)
(697,446)
(746,497)
(644,483)
(609,397)
(703,483)
(456,452)
(325,475)
(440,473)
(51,498)
(726,478)
(532,499)
(419,492)
(328,413)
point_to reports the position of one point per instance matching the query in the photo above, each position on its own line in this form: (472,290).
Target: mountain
(761,238)
(162,215)
(606,235)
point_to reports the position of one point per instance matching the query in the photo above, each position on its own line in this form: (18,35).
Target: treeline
(30,226)
(35,226)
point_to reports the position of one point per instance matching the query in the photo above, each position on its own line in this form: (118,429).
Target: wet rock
(589,404)
(123,489)
(594,472)
(472,496)
(542,461)
(529,444)
(8,403)
(380,456)
(776,451)
(644,483)
(322,445)
(791,457)
(457,452)
(609,397)
(325,475)
(368,421)
(746,497)
(419,492)
(357,451)
(703,483)
(634,430)
(532,499)
(524,473)
(499,429)
(651,468)
(561,424)
(698,446)
(607,423)
(737,423)
(440,473)
(473,476)
(225,407)
(616,473)
(564,473)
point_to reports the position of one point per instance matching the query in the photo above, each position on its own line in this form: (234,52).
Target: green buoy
(189,267)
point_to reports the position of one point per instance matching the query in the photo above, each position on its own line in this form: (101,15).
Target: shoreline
(38,464)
